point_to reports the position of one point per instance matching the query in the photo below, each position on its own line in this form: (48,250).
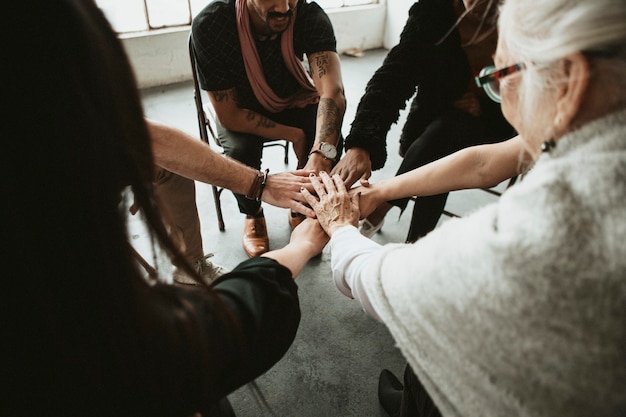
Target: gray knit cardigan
(520,308)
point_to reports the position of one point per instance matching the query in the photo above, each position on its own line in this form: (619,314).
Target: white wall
(397,13)
(359,27)
(162,57)
(159,58)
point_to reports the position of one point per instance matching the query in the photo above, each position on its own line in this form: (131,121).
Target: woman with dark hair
(86,333)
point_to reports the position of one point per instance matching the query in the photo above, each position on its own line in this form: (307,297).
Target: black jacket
(429,58)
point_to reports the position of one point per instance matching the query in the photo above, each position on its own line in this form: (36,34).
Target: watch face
(328,150)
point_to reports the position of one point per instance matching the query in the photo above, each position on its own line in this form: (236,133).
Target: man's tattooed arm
(321,63)
(331,116)
(261,121)
(225,95)
(326,73)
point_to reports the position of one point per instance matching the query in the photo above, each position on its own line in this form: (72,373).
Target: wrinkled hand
(354,166)
(335,208)
(310,236)
(283,190)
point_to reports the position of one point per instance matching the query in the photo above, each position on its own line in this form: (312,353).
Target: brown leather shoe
(255,240)
(295,219)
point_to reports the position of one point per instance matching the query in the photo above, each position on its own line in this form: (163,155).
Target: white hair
(544,31)
(547,30)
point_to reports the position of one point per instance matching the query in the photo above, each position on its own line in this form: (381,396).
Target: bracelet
(257,187)
(265,173)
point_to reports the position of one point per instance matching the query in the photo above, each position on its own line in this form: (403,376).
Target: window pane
(125,15)
(329,4)
(130,15)
(168,13)
(358,2)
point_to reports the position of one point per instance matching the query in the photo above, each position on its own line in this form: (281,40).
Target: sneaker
(207,270)
(368,229)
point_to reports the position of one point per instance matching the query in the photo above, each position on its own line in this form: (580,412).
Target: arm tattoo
(225,95)
(331,123)
(221,95)
(322,62)
(233,94)
(262,120)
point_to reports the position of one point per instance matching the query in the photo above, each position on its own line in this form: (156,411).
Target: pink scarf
(268,99)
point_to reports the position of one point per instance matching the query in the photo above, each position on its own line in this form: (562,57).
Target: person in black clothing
(249,56)
(442,46)
(86,331)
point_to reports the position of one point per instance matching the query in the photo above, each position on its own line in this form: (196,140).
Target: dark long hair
(75,149)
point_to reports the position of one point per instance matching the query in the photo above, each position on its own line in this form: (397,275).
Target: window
(329,4)
(142,15)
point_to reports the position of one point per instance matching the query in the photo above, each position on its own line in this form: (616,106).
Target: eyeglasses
(489,79)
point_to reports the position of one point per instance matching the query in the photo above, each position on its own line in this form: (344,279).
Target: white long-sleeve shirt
(518,309)
(350,254)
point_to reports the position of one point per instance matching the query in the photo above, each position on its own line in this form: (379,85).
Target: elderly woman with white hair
(520,308)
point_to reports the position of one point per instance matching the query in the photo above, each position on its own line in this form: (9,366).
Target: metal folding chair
(207,127)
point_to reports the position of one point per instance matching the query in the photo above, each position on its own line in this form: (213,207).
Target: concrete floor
(333,365)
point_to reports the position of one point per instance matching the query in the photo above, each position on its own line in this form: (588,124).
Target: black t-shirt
(219,59)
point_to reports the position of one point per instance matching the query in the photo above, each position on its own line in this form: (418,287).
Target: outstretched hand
(307,240)
(309,233)
(335,208)
(283,190)
(354,166)
(369,199)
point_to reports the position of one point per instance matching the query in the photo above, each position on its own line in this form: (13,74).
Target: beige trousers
(177,200)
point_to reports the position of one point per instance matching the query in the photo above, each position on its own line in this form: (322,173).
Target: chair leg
(145,265)
(411,234)
(425,215)
(286,152)
(217,192)
(450,214)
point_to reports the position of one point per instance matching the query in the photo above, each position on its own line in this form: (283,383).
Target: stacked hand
(309,238)
(354,166)
(334,207)
(367,196)
(283,190)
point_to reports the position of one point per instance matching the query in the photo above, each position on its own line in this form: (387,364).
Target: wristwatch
(327,150)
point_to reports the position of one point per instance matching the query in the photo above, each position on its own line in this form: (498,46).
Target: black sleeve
(263,299)
(419,59)
(205,344)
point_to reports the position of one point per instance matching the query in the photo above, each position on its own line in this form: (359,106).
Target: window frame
(112,9)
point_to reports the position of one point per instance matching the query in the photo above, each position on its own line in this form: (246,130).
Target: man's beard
(277,15)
